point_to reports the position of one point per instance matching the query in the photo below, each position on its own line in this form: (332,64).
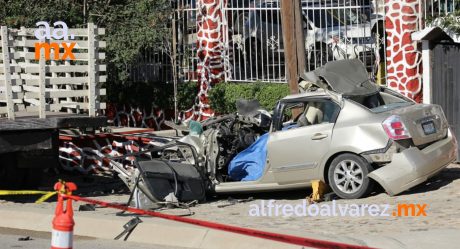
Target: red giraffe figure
(211,52)
(404,67)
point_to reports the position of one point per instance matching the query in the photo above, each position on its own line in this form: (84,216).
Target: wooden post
(300,39)
(426,80)
(294,42)
(7,73)
(68,87)
(174,63)
(42,85)
(54,75)
(91,70)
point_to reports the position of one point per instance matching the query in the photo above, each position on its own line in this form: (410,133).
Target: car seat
(312,115)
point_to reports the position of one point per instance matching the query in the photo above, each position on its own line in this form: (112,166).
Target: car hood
(346,77)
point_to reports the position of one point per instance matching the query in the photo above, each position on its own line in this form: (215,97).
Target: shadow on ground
(101,184)
(444,178)
(105,184)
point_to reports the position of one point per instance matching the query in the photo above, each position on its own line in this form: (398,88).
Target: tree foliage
(130,25)
(450,22)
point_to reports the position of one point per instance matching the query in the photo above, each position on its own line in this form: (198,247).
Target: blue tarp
(249,164)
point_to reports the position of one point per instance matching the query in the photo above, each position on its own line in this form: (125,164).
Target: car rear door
(293,154)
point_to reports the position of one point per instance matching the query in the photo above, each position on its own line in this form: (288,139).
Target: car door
(295,153)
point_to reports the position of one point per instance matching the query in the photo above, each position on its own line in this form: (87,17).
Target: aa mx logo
(60,32)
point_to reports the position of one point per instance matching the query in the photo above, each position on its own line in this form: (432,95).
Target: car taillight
(395,128)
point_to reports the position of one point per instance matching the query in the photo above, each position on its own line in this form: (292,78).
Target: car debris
(128,228)
(87,207)
(232,201)
(350,134)
(27,238)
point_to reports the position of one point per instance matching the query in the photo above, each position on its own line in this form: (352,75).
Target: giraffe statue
(211,49)
(404,67)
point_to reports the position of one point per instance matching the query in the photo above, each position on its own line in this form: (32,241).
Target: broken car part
(129,228)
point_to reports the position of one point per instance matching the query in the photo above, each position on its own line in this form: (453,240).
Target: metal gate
(334,30)
(446,83)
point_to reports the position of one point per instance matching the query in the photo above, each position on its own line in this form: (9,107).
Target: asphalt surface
(26,239)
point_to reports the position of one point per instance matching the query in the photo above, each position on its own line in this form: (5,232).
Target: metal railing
(333,30)
(151,65)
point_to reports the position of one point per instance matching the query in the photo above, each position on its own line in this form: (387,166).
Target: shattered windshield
(389,107)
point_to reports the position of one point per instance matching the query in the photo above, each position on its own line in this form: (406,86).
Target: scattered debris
(232,201)
(129,228)
(330,196)
(87,207)
(25,238)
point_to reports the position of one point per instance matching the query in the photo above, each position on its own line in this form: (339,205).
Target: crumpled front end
(413,166)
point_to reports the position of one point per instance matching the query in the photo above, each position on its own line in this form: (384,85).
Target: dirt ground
(441,194)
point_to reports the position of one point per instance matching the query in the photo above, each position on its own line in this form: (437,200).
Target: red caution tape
(228,228)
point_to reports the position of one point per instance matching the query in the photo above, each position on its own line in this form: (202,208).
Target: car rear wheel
(348,176)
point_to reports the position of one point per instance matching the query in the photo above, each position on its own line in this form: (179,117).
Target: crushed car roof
(317,93)
(347,77)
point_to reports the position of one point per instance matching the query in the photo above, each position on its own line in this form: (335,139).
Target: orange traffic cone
(63,223)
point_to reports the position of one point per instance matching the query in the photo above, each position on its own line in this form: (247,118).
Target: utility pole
(294,41)
(174,62)
(84,11)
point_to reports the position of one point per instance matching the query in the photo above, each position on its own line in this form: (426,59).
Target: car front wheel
(348,176)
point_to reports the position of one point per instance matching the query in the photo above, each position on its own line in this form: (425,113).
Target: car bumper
(414,166)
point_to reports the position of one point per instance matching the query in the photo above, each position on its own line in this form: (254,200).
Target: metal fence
(151,65)
(33,83)
(187,39)
(432,9)
(333,30)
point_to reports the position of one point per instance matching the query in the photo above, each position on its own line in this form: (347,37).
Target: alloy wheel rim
(348,176)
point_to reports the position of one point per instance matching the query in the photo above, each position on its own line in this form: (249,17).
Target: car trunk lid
(346,77)
(426,123)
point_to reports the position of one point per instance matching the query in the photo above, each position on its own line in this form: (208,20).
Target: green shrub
(223,96)
(269,94)
(186,94)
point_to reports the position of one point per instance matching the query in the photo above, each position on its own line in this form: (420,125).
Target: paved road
(10,239)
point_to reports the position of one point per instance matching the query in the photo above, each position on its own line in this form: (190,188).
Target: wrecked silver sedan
(343,129)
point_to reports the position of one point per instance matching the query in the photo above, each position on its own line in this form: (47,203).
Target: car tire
(348,178)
